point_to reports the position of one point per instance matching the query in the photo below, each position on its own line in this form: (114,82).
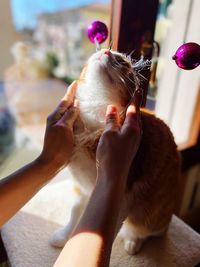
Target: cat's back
(158,150)
(154,178)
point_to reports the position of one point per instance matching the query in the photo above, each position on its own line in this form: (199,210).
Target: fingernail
(131,110)
(110,110)
(75,81)
(72,86)
(76,103)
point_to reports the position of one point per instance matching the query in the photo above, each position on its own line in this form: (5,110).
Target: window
(178,99)
(44,47)
(173,93)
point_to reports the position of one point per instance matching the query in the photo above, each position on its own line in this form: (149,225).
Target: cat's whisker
(125,77)
(142,76)
(131,53)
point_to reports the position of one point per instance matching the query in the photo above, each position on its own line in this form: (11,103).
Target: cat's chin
(98,71)
(99,61)
(100,64)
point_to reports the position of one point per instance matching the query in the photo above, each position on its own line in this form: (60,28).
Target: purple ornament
(97,30)
(188,56)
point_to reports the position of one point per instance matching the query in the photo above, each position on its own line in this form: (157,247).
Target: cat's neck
(94,99)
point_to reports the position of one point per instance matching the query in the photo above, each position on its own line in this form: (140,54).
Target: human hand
(118,144)
(59,137)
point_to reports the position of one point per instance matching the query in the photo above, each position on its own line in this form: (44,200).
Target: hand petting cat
(59,137)
(19,187)
(119,143)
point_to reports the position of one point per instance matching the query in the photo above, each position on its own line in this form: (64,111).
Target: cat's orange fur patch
(83,73)
(147,111)
(77,190)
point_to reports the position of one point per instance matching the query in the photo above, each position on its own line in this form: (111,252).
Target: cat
(153,183)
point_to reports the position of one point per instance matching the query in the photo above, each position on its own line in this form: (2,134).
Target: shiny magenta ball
(188,56)
(97,30)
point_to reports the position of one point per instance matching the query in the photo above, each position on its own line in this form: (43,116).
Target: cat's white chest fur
(95,93)
(83,170)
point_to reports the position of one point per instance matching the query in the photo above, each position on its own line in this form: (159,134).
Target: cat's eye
(122,62)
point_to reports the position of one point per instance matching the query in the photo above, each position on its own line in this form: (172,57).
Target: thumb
(71,114)
(112,118)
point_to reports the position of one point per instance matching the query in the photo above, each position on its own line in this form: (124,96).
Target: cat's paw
(132,247)
(58,238)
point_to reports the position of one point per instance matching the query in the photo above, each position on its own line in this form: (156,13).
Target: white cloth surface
(27,234)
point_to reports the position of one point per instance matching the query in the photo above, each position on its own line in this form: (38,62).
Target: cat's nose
(107,52)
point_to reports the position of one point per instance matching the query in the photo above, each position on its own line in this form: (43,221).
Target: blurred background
(44,47)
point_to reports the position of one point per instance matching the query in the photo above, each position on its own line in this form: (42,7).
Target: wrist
(111,180)
(48,167)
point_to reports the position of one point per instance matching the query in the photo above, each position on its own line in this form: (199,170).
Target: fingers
(133,112)
(70,115)
(66,102)
(112,118)
(69,97)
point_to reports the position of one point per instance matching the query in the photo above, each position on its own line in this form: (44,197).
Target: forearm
(18,188)
(102,212)
(92,240)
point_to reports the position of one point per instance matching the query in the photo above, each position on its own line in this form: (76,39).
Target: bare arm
(18,188)
(92,240)
(21,186)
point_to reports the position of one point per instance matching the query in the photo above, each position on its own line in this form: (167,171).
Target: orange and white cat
(152,191)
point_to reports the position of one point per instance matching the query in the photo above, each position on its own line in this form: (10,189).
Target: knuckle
(132,129)
(60,128)
(110,133)
(111,121)
(62,109)
(63,103)
(72,110)
(111,118)
(70,114)
(49,117)
(60,125)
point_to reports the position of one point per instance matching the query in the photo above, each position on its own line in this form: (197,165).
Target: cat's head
(111,72)
(107,78)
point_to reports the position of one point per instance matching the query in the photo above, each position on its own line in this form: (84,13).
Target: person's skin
(92,240)
(91,243)
(18,188)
